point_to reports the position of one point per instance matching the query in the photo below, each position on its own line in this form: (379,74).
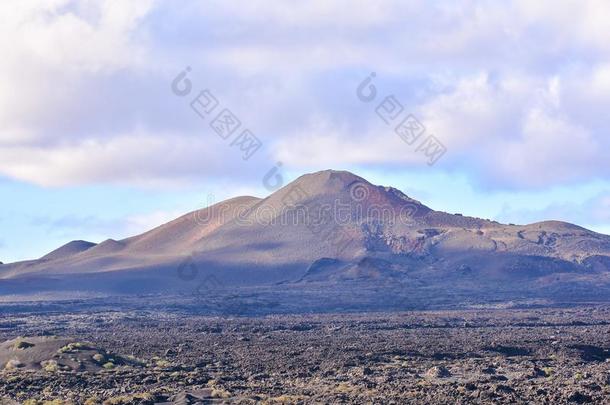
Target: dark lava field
(105,356)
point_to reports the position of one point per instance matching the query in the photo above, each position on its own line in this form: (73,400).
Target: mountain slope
(326,227)
(69,249)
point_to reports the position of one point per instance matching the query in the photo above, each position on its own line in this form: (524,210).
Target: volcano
(325,229)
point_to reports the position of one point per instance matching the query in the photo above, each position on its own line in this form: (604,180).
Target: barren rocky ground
(536,355)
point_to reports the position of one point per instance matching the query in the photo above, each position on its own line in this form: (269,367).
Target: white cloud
(516,131)
(518,91)
(313,13)
(129,159)
(592,213)
(67,35)
(50,50)
(512,131)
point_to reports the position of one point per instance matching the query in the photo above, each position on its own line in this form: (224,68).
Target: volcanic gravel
(541,355)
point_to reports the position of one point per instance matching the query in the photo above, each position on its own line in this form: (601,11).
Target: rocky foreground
(558,356)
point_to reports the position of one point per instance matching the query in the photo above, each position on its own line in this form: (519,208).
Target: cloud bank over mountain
(516,93)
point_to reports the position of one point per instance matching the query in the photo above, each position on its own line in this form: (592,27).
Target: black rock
(580,398)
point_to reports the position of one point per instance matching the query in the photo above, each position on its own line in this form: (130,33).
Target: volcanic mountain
(322,229)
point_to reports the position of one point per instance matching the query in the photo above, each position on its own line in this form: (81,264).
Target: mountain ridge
(353,229)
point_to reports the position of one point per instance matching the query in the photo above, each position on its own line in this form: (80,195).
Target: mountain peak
(334,185)
(69,249)
(329,176)
(326,183)
(335,182)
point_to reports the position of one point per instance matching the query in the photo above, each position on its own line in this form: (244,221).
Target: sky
(111,111)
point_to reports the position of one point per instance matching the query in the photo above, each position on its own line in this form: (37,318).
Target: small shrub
(98,357)
(284,399)
(134,360)
(49,366)
(130,399)
(163,363)
(344,388)
(220,393)
(108,365)
(13,364)
(74,347)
